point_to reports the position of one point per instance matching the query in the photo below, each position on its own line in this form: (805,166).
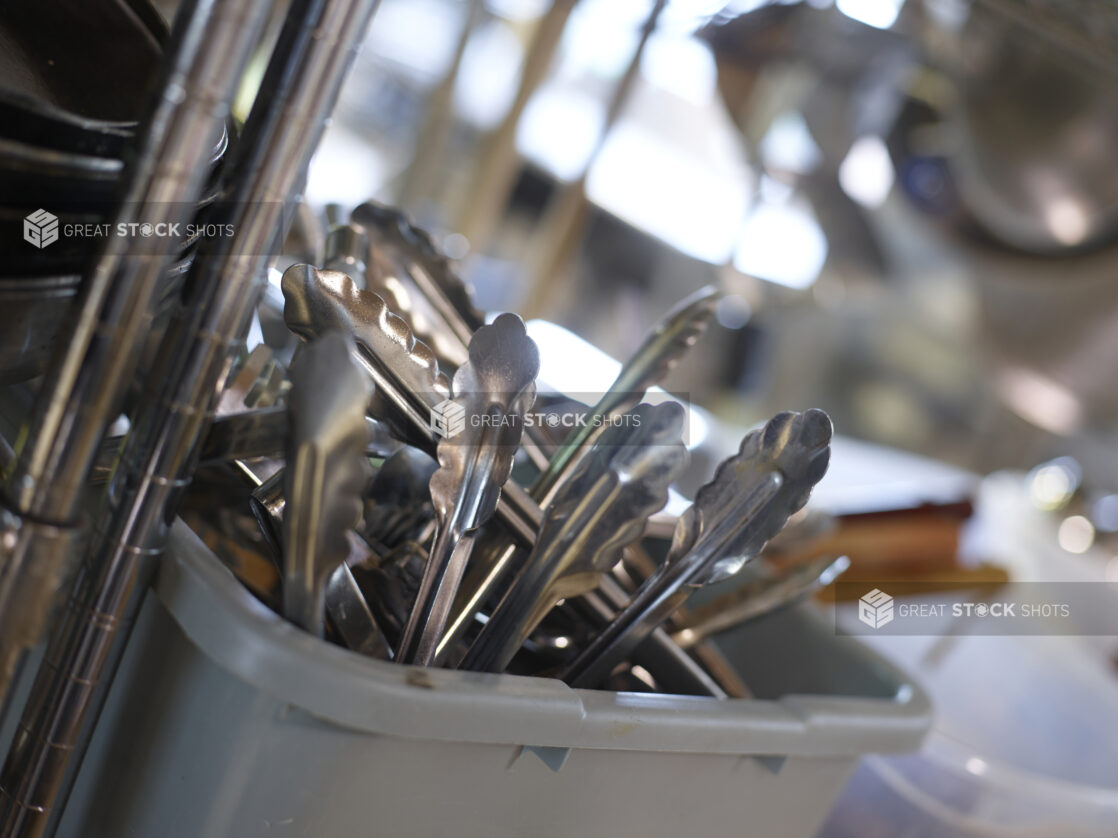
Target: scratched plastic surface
(228,722)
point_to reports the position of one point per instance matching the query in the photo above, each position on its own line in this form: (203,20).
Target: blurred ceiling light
(788,145)
(346,169)
(866,173)
(880,14)
(417,35)
(1068,221)
(680,65)
(977,766)
(782,244)
(1052,484)
(455,246)
(733,311)
(488,76)
(1040,400)
(600,38)
(1105,513)
(690,202)
(559,129)
(517,10)
(1076,535)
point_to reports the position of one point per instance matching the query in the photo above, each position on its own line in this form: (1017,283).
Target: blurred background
(911,205)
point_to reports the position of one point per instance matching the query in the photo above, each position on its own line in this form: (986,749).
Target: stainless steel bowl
(1035,129)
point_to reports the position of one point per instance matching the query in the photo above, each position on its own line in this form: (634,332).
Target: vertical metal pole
(84,386)
(484,201)
(565,220)
(314,51)
(211,44)
(431,141)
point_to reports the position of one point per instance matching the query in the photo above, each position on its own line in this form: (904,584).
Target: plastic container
(1022,746)
(945,791)
(225,721)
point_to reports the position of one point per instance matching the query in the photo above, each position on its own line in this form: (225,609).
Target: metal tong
(747,502)
(403,265)
(398,503)
(771,590)
(601,509)
(660,351)
(405,371)
(326,472)
(657,355)
(492,391)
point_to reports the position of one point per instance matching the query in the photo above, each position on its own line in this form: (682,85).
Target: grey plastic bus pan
(225,721)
